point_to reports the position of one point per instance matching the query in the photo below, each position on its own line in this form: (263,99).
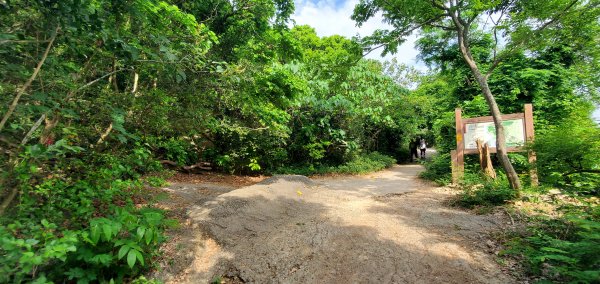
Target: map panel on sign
(486,131)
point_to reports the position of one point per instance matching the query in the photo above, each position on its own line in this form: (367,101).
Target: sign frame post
(529,136)
(458,159)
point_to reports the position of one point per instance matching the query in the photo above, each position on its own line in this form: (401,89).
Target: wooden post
(460,144)
(484,159)
(454,164)
(529,137)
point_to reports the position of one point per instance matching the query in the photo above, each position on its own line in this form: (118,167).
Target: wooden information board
(518,128)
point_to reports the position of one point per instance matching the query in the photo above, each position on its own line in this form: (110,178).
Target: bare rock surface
(387,227)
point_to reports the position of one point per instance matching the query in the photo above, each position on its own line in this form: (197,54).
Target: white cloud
(330,18)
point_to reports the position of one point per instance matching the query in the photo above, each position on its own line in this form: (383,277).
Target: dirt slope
(388,227)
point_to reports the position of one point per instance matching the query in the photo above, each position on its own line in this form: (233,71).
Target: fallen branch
(188,169)
(202,166)
(512,221)
(6,41)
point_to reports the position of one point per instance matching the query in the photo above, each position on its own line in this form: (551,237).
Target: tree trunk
(501,151)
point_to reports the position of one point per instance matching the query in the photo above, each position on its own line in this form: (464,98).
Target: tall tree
(520,24)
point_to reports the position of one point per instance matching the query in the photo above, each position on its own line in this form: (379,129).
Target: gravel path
(387,227)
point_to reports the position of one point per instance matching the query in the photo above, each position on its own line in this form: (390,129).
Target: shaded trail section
(387,227)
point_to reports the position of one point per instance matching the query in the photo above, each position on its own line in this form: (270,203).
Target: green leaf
(558,257)
(40,280)
(122,251)
(140,232)
(131,257)
(140,257)
(95,233)
(104,259)
(107,229)
(148,236)
(116,227)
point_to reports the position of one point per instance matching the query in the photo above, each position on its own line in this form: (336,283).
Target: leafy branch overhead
(523,25)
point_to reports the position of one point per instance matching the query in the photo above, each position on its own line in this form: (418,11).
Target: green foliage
(569,155)
(78,224)
(366,163)
(23,256)
(564,249)
(111,247)
(127,83)
(143,280)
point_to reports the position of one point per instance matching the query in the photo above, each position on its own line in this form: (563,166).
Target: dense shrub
(179,150)
(359,165)
(366,163)
(569,155)
(438,169)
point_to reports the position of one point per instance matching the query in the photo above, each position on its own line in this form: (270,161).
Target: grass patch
(362,164)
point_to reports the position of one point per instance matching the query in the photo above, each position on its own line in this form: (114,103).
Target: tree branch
(439,5)
(33,129)
(6,41)
(495,63)
(403,34)
(21,91)
(8,142)
(581,171)
(558,16)
(443,27)
(71,94)
(499,59)
(6,202)
(105,134)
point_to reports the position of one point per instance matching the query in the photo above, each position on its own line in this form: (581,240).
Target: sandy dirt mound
(387,227)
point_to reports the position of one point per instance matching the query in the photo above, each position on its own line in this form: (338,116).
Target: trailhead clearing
(386,227)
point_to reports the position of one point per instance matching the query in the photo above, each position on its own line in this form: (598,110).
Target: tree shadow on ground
(273,234)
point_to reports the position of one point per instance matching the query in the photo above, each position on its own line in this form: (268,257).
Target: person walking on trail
(423,147)
(414,145)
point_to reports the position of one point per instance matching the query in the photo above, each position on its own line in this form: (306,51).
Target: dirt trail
(388,227)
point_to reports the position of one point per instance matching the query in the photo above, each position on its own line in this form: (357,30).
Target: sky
(596,115)
(330,17)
